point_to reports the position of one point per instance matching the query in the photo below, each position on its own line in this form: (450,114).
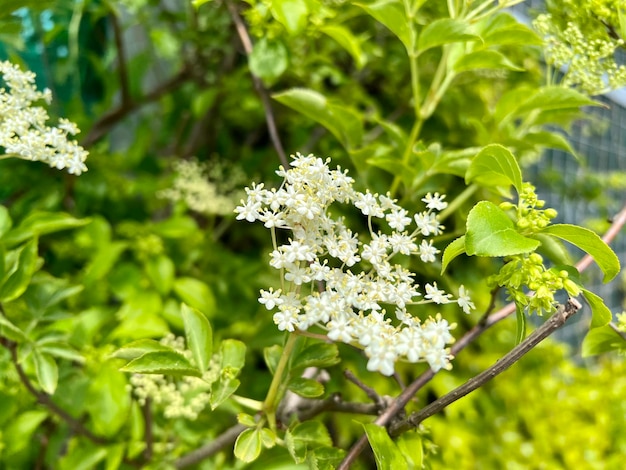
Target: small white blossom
(270,298)
(435,202)
(465,301)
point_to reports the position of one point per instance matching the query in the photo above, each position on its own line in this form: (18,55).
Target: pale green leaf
(445,31)
(292,14)
(139,348)
(5,221)
(600,313)
(344,37)
(268,60)
(196,294)
(601,340)
(386,452)
(555,97)
(490,232)
(305,437)
(316,355)
(454,249)
(248,445)
(494,166)
(199,336)
(46,370)
(391,14)
(162,362)
(590,243)
(17,282)
(307,388)
(485,59)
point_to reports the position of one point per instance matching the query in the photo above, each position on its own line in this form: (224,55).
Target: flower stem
(273,397)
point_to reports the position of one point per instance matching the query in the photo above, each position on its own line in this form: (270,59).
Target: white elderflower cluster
(348,286)
(183,397)
(204,189)
(23,130)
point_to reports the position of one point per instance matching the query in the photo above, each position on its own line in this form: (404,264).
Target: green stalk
(456,203)
(273,398)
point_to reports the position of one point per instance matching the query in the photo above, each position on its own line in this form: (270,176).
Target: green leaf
(199,336)
(196,294)
(386,452)
(521,324)
(602,340)
(222,390)
(292,14)
(555,97)
(17,282)
(160,271)
(162,362)
(454,249)
(176,227)
(5,221)
(248,445)
(590,243)
(486,59)
(108,399)
(412,448)
(233,354)
(344,123)
(268,60)
(391,14)
(344,37)
(316,355)
(17,434)
(46,370)
(306,388)
(139,348)
(552,140)
(490,232)
(553,249)
(445,31)
(41,223)
(304,437)
(495,165)
(395,166)
(10,331)
(506,30)
(272,357)
(600,313)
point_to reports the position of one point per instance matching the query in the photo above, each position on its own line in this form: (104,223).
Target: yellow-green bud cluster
(530,216)
(183,397)
(524,273)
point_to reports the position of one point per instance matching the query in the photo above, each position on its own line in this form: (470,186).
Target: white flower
(428,224)
(270,298)
(436,295)
(465,301)
(398,219)
(435,202)
(427,251)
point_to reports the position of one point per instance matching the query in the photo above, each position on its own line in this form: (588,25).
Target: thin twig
(407,394)
(121,57)
(227,438)
(242,32)
(369,391)
(557,320)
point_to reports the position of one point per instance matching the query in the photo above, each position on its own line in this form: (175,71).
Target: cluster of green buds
(526,272)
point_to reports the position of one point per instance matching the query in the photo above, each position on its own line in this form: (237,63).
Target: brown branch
(556,321)
(112,117)
(45,399)
(227,438)
(258,85)
(407,394)
(121,58)
(369,391)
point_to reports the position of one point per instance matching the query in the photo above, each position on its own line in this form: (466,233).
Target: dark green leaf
(5,221)
(10,331)
(162,362)
(490,232)
(590,243)
(17,282)
(272,356)
(306,436)
(108,399)
(199,336)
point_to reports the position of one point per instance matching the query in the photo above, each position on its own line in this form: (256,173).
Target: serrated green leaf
(246,420)
(316,355)
(344,37)
(17,282)
(46,370)
(268,438)
(600,313)
(493,166)
(591,244)
(306,436)
(196,294)
(199,336)
(602,340)
(445,31)
(248,445)
(306,388)
(139,348)
(490,232)
(386,452)
(454,249)
(162,362)
(391,14)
